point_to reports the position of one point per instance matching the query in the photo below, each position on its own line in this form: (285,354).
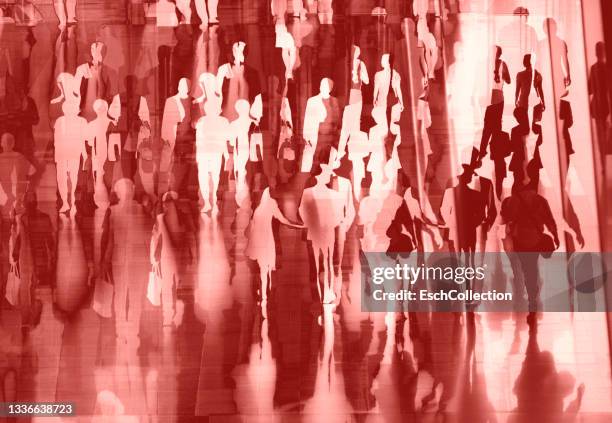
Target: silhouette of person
(163,255)
(239,140)
(320,213)
(495,110)
(21,256)
(429,50)
(174,114)
(99,142)
(527,214)
(28,117)
(524,81)
(463,211)
(15,171)
(126,226)
(65,11)
(318,109)
(70,134)
(96,79)
(261,245)
(421,211)
(351,117)
(559,63)
(207,11)
(42,239)
(386,80)
(212,137)
(518,37)
(600,92)
(242,82)
(285,41)
(346,205)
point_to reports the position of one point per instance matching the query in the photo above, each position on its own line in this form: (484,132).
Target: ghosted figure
(212,137)
(174,114)
(261,246)
(239,140)
(600,92)
(15,172)
(285,41)
(320,216)
(358,150)
(318,109)
(124,252)
(351,118)
(386,80)
(70,134)
(495,110)
(163,254)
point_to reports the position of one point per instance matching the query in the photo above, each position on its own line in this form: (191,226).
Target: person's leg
(71,10)
(203,180)
(529,267)
(120,303)
(73,175)
(60,11)
(216,177)
(201,11)
(167,297)
(184,7)
(61,174)
(263,275)
(136,293)
(212,11)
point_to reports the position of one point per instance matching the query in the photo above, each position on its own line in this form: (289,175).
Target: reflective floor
(221,352)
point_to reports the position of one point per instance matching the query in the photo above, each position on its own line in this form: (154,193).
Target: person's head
(183,88)
(497,51)
(600,51)
(385,61)
(100,107)
(98,51)
(124,189)
(242,107)
(325,87)
(522,12)
(466,176)
(550,27)
(7,141)
(238,51)
(527,61)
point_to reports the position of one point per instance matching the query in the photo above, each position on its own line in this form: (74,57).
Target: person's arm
(363,71)
(517,91)
(278,214)
(397,87)
(376,88)
(155,240)
(349,209)
(549,221)
(566,66)
(506,73)
(538,88)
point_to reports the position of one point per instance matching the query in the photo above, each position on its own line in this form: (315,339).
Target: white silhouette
(315,115)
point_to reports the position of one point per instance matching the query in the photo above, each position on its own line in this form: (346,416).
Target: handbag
(154,286)
(13,283)
(103,297)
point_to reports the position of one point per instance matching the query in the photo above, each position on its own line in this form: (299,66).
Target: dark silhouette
(527,214)
(600,92)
